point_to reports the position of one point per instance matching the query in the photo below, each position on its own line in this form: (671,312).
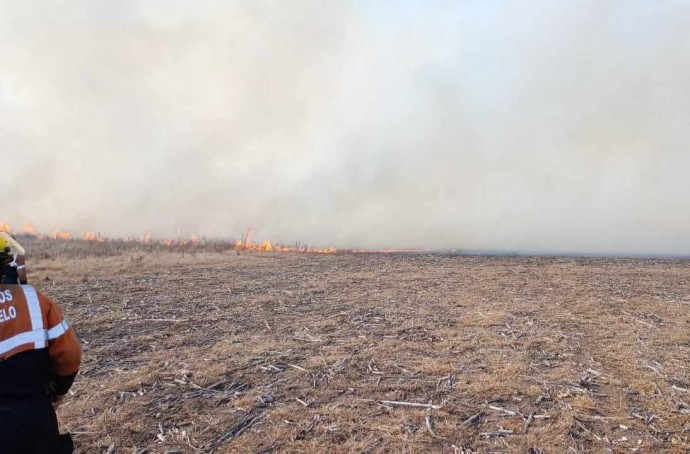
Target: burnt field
(282,352)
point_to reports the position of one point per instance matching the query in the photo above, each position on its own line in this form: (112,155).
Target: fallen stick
(578,389)
(504,410)
(589,418)
(215,385)
(429,425)
(587,430)
(209,389)
(472,419)
(397,403)
(528,422)
(313,339)
(237,429)
(656,371)
(500,433)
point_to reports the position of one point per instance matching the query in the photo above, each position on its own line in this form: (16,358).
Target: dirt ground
(369,353)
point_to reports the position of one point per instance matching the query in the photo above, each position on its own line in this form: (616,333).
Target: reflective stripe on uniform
(35,337)
(58,330)
(35,314)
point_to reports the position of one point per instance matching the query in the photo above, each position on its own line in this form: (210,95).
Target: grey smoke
(547,126)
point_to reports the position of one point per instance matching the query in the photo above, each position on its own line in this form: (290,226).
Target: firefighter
(15,271)
(39,358)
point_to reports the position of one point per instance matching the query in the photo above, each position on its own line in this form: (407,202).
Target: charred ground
(214,351)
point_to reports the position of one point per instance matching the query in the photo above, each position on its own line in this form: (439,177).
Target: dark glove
(66,444)
(5,258)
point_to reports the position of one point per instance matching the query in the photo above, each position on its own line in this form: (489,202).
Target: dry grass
(294,353)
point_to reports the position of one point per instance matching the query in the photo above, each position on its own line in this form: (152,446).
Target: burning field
(212,350)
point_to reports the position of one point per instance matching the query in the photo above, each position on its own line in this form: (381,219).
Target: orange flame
(328,250)
(28,229)
(96,237)
(266,246)
(5,227)
(58,235)
(177,242)
(248,238)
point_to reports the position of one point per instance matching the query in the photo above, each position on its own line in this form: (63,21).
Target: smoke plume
(526,125)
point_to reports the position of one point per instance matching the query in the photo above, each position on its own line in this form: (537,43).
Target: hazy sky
(532,125)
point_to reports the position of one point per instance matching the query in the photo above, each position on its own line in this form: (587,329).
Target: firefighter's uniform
(39,358)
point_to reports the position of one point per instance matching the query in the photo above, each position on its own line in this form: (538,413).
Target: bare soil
(281,352)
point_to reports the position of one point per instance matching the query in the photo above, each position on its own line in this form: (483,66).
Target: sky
(501,125)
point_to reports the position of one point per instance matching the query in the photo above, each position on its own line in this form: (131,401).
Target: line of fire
(246,243)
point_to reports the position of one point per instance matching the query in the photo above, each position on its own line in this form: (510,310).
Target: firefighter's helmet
(10,245)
